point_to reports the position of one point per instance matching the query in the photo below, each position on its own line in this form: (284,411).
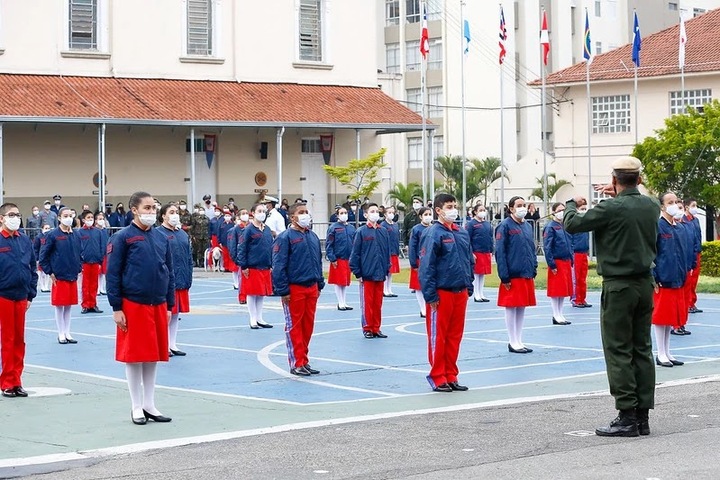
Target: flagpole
(423,73)
(637,44)
(542,133)
(501,208)
(636,106)
(589,124)
(462,94)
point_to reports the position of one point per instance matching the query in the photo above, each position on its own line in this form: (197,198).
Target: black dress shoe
(694,309)
(389,295)
(625,425)
(684,331)
(676,331)
(662,364)
(586,305)
(264,325)
(422,315)
(156,418)
(348,307)
(243,302)
(312,370)
(95,309)
(443,388)
(342,309)
(85,310)
(457,387)
(379,334)
(70,340)
(138,420)
(178,353)
(62,341)
(254,327)
(300,371)
(677,362)
(560,322)
(368,335)
(9,392)
(20,392)
(518,350)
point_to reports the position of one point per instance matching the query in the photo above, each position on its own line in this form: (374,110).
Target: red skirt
(670,307)
(103,266)
(257,283)
(340,275)
(394,264)
(64,293)
(228,263)
(146,339)
(520,294)
(182,302)
(483,263)
(414,280)
(560,284)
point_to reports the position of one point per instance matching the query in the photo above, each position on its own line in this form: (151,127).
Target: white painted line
(539,364)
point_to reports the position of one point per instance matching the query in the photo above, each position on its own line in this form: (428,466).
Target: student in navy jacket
(426,217)
(141,292)
(581,255)
(92,252)
(224,227)
(101,224)
(370,263)
(669,273)
(481,238)
(688,244)
(691,211)
(393,230)
(60,259)
(338,245)
(18,287)
(557,246)
(254,256)
(43,280)
(233,237)
(297,277)
(517,268)
(446,278)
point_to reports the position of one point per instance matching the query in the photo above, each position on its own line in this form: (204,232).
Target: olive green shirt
(625,228)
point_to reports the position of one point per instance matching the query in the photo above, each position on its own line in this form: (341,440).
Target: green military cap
(627,164)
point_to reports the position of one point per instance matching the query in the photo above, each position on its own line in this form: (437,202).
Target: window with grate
(392,58)
(598,48)
(412,56)
(435,56)
(392,12)
(310,145)
(436,102)
(83,28)
(598,8)
(311,30)
(693,98)
(438,146)
(672,6)
(415,157)
(413,13)
(611,114)
(414,100)
(199,27)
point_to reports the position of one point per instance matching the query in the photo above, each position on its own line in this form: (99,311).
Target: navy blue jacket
(223,230)
(670,263)
(92,244)
(481,235)
(692,220)
(182,256)
(37,243)
(296,260)
(414,244)
(393,236)
(446,261)
(140,268)
(60,255)
(370,257)
(515,250)
(687,236)
(17,263)
(233,238)
(580,242)
(339,241)
(117,220)
(557,244)
(254,248)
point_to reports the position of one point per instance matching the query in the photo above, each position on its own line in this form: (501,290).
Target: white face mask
(148,219)
(100,223)
(217,214)
(244,217)
(228,218)
(520,212)
(35,212)
(679,215)
(417,206)
(183,207)
(57,203)
(12,223)
(482,215)
(304,220)
(47,206)
(67,221)
(427,219)
(353,207)
(560,215)
(343,217)
(260,216)
(174,219)
(451,215)
(693,211)
(672,210)
(389,216)
(89,222)
(373,217)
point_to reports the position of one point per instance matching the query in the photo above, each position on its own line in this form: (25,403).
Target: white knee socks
(236,280)
(252,310)
(511,325)
(62,322)
(149,372)
(340,293)
(172,331)
(421,301)
(66,318)
(479,286)
(101,284)
(661,332)
(259,309)
(133,373)
(519,320)
(388,284)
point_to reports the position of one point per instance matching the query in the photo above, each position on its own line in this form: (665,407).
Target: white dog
(216,255)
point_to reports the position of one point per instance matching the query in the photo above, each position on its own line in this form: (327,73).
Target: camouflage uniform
(199,237)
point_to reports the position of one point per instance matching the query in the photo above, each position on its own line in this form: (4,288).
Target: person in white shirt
(275,220)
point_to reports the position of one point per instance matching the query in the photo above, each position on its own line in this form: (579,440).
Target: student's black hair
(371,204)
(688,201)
(136,198)
(661,197)
(85,213)
(443,198)
(555,206)
(293,208)
(6,206)
(254,207)
(475,208)
(511,203)
(422,210)
(164,208)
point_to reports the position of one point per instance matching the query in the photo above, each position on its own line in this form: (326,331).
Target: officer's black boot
(642,421)
(625,425)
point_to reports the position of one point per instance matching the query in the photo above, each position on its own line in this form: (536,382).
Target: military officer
(199,235)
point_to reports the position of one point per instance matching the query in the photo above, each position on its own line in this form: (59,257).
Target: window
(611,114)
(392,58)
(310,145)
(83,27)
(598,8)
(693,98)
(415,156)
(672,6)
(516,15)
(598,48)
(311,30)
(438,146)
(412,11)
(200,27)
(436,102)
(414,100)
(435,56)
(434,9)
(392,12)
(698,11)
(597,196)
(573,20)
(412,56)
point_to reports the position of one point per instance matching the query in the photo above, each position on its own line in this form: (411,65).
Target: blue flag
(466,35)
(637,42)
(587,52)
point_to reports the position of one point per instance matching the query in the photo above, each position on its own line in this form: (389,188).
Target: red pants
(445,326)
(90,275)
(300,322)
(371,298)
(581,271)
(691,285)
(12,335)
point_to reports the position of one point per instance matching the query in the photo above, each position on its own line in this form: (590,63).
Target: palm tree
(484,173)
(403,194)
(450,167)
(552,188)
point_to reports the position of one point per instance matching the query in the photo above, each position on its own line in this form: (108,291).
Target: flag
(466,36)
(587,52)
(683,41)
(424,39)
(637,42)
(503,36)
(544,38)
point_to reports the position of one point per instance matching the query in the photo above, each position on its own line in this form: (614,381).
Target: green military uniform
(625,237)
(185,218)
(199,237)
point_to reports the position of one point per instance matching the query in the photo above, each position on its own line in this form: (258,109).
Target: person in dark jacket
(33,223)
(297,277)
(370,263)
(254,256)
(412,218)
(179,243)
(60,259)
(224,226)
(118,219)
(18,287)
(43,280)
(517,268)
(234,235)
(581,256)
(58,205)
(102,225)
(691,211)
(557,246)
(141,291)
(338,245)
(426,217)
(688,247)
(393,230)
(446,279)
(48,216)
(92,252)
(481,238)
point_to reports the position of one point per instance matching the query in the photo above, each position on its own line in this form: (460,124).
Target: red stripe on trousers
(372,305)
(691,284)
(445,335)
(298,331)
(581,272)
(90,276)
(12,335)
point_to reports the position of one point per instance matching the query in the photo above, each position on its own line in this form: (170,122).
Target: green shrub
(710,264)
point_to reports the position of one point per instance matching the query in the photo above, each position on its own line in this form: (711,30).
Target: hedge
(710,264)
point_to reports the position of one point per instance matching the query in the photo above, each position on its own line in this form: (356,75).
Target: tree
(483,173)
(403,194)
(552,187)
(450,167)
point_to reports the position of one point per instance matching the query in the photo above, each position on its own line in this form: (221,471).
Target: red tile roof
(199,103)
(658,56)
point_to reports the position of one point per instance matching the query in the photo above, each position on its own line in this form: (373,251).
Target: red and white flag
(503,36)
(683,41)
(424,38)
(544,38)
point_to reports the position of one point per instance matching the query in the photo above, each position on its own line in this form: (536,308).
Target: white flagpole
(462,75)
(636,106)
(589,124)
(542,132)
(501,208)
